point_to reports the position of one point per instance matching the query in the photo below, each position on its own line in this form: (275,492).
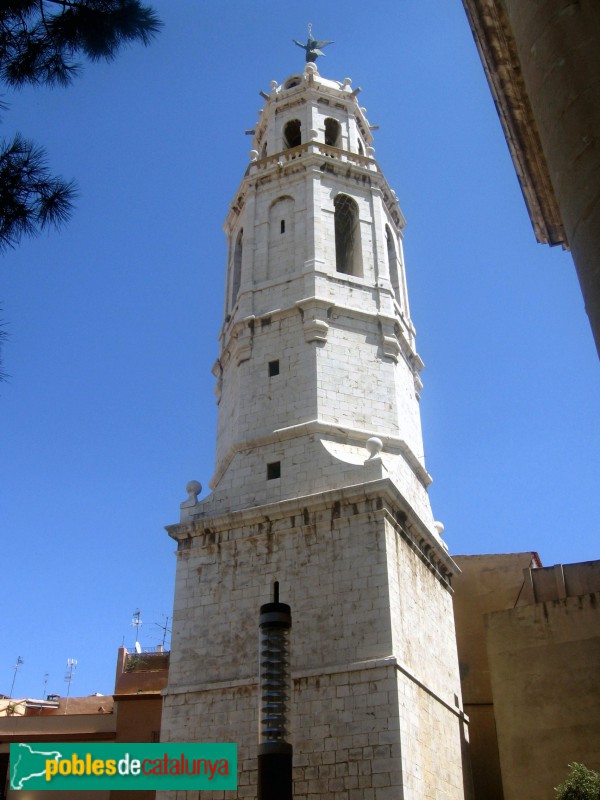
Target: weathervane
(312,46)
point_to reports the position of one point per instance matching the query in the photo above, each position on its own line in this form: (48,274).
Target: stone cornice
(498,52)
(381,496)
(236,330)
(315,154)
(327,429)
(333,669)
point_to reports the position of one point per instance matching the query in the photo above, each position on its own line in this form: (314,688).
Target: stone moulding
(376,498)
(315,154)
(314,318)
(335,669)
(391,347)
(320,428)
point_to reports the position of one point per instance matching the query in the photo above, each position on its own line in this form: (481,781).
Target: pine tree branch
(43,16)
(39,48)
(64,3)
(31,198)
(3,337)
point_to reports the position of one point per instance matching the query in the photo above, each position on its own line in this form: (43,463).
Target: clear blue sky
(113,322)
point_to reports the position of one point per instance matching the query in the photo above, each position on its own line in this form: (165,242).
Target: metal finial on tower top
(312,46)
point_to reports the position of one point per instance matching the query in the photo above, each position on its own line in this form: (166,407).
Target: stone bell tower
(320,483)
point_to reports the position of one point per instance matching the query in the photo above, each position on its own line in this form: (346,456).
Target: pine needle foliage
(40,42)
(581,784)
(31,199)
(3,335)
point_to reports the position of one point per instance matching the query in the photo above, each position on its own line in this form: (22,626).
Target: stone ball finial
(273,85)
(193,488)
(347,83)
(439,526)
(253,155)
(374,446)
(311,68)
(371,152)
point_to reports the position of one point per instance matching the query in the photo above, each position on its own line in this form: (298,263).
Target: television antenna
(71,667)
(165,629)
(46,676)
(137,623)
(18,663)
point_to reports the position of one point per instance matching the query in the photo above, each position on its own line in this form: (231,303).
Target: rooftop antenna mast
(165,629)
(137,624)
(71,667)
(46,676)
(18,663)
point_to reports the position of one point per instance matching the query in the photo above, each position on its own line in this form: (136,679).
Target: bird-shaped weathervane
(312,46)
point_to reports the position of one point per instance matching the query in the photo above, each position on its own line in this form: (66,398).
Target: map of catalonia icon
(85,766)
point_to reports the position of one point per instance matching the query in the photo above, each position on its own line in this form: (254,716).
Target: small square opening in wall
(274,470)
(273,368)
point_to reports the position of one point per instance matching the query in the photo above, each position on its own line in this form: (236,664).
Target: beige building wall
(485,583)
(544,664)
(529,653)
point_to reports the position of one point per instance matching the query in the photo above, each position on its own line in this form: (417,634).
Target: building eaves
(498,53)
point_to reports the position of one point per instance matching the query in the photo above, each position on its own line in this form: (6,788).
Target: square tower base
(376,711)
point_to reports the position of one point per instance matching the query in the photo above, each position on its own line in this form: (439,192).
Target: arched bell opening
(333,132)
(292,134)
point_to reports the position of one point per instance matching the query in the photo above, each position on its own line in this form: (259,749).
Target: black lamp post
(274,752)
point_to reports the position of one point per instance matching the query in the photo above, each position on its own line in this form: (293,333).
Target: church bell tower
(320,484)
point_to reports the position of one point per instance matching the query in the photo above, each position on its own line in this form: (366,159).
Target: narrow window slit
(273,470)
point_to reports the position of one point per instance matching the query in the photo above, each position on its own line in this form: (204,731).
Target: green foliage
(40,41)
(30,197)
(581,784)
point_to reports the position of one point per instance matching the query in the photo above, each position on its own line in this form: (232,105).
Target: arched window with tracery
(348,255)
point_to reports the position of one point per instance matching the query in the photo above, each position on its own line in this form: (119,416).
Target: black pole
(274,752)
